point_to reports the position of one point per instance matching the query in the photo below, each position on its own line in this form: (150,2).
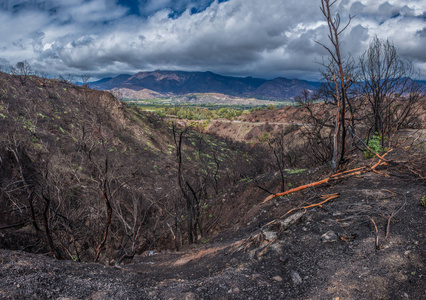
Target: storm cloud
(266,38)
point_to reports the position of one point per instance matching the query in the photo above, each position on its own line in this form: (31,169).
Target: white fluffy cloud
(266,38)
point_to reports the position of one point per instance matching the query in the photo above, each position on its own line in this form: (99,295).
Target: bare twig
(377,233)
(394,213)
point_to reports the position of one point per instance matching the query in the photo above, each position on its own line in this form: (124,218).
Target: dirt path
(262,123)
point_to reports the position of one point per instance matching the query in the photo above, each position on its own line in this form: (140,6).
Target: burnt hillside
(86,177)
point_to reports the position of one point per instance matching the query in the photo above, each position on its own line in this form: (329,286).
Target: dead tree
(337,77)
(85,79)
(132,216)
(23,69)
(303,98)
(388,85)
(183,185)
(190,192)
(15,149)
(21,161)
(103,186)
(277,146)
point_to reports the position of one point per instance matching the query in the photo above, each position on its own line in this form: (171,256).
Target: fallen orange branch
(380,160)
(327,198)
(336,176)
(390,192)
(299,188)
(339,175)
(384,174)
(348,171)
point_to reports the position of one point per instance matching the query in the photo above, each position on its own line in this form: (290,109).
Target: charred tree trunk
(104,186)
(47,231)
(339,77)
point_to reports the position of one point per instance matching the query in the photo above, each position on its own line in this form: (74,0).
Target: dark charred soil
(295,263)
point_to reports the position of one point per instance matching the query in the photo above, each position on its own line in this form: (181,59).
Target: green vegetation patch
(295,171)
(167,107)
(376,144)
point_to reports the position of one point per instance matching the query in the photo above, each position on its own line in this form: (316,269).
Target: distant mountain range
(170,83)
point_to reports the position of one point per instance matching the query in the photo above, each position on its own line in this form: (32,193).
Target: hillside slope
(80,171)
(173,213)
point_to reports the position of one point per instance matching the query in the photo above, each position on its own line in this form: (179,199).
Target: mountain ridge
(183,82)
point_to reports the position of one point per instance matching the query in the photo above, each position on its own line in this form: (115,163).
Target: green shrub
(295,171)
(375,144)
(264,138)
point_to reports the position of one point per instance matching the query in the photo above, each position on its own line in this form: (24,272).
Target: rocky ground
(325,252)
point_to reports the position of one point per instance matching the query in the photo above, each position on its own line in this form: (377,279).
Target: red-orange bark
(336,176)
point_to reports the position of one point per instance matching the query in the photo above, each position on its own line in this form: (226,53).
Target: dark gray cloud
(266,38)
(176,7)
